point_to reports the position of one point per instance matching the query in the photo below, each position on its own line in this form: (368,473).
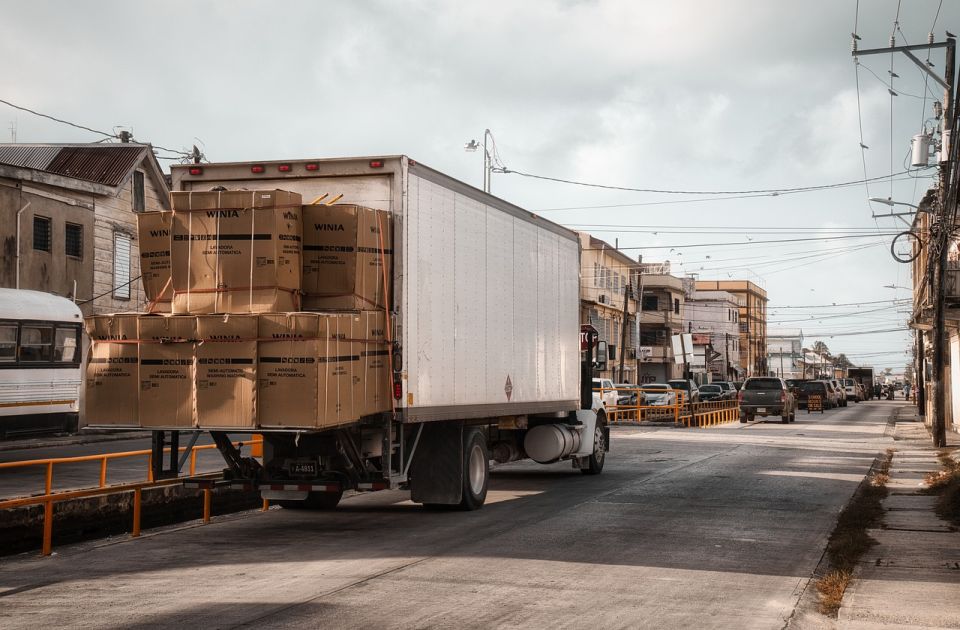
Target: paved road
(30,480)
(717,527)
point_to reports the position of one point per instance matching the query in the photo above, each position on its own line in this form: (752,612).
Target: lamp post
(899,215)
(473,145)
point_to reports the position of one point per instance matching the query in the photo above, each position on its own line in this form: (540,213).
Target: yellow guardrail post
(137,499)
(266,505)
(207,497)
(47,527)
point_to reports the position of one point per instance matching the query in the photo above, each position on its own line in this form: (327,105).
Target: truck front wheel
(476,470)
(599,455)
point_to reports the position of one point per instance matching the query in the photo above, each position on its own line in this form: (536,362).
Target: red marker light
(196,170)
(312,166)
(257,168)
(284,168)
(397,390)
(376,163)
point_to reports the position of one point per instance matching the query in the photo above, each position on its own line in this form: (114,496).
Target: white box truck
(486,353)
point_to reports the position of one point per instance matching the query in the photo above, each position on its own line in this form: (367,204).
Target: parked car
(659,395)
(605,398)
(815,388)
(767,396)
(853,392)
(841,392)
(712,392)
(627,394)
(691,393)
(833,397)
(729,391)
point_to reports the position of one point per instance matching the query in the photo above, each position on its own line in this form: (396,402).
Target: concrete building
(605,276)
(661,317)
(785,356)
(68,220)
(752,303)
(653,292)
(715,314)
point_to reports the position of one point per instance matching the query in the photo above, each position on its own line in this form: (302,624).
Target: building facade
(785,356)
(68,220)
(752,304)
(661,317)
(715,314)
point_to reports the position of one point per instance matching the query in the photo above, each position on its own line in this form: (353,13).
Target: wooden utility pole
(627,293)
(942,223)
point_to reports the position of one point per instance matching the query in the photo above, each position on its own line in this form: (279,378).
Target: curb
(73,440)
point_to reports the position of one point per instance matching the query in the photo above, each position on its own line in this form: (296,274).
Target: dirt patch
(849,540)
(945,485)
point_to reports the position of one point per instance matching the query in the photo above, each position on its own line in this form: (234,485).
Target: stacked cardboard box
(236,353)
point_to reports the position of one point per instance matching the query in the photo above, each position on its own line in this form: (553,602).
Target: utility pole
(627,292)
(943,220)
(920,365)
(726,355)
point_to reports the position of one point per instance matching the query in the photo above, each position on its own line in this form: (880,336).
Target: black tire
(476,469)
(785,419)
(314,501)
(599,455)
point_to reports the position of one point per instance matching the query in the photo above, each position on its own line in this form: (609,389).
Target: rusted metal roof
(106,164)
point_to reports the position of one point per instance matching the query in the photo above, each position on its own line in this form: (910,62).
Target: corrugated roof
(106,164)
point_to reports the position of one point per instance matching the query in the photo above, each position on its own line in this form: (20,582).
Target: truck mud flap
(436,473)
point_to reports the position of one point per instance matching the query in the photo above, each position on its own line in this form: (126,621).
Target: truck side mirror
(601,359)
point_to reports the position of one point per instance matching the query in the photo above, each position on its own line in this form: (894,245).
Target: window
(676,305)
(65,346)
(73,240)
(139,201)
(8,343)
(36,343)
(42,234)
(653,337)
(650,303)
(121,266)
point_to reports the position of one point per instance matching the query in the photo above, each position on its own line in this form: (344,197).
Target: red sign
(588,337)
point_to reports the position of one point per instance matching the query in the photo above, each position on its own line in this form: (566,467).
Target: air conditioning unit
(602,299)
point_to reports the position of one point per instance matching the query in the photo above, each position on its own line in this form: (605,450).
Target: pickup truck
(767,396)
(604,395)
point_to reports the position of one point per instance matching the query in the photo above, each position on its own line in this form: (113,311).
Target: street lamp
(893,286)
(473,145)
(890,202)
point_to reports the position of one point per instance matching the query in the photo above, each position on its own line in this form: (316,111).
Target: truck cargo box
(111,379)
(485,295)
(154,236)
(236,252)
(166,373)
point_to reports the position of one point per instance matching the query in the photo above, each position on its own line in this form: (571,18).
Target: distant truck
(485,320)
(767,396)
(864,376)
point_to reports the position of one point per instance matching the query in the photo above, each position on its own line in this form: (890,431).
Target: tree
(821,349)
(841,361)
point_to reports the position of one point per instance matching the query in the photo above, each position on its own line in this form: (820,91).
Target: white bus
(40,352)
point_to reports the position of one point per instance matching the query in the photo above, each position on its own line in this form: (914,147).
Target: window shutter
(121,265)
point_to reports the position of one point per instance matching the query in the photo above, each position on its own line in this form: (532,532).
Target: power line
(59,120)
(786,240)
(762,191)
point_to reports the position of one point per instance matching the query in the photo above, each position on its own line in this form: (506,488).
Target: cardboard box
(226,382)
(375,388)
(154,237)
(287,370)
(339,362)
(111,371)
(342,262)
(236,251)
(166,370)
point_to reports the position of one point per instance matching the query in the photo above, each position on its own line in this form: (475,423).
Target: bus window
(65,348)
(36,342)
(8,343)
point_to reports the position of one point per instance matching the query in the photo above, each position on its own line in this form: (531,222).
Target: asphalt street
(708,528)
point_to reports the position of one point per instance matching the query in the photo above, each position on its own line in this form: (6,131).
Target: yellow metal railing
(49,497)
(703,414)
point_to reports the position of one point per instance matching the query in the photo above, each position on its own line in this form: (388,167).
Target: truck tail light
(397,390)
(257,169)
(196,170)
(783,396)
(284,168)
(376,163)
(312,166)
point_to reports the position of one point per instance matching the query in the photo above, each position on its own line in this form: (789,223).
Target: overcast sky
(685,95)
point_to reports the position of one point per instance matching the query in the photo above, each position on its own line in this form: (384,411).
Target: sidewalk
(911,578)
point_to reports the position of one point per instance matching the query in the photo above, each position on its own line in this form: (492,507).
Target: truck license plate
(304,469)
(762,410)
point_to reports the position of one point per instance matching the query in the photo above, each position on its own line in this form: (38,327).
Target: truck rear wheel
(314,501)
(476,470)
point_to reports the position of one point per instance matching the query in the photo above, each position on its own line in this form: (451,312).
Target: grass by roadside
(849,540)
(945,484)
